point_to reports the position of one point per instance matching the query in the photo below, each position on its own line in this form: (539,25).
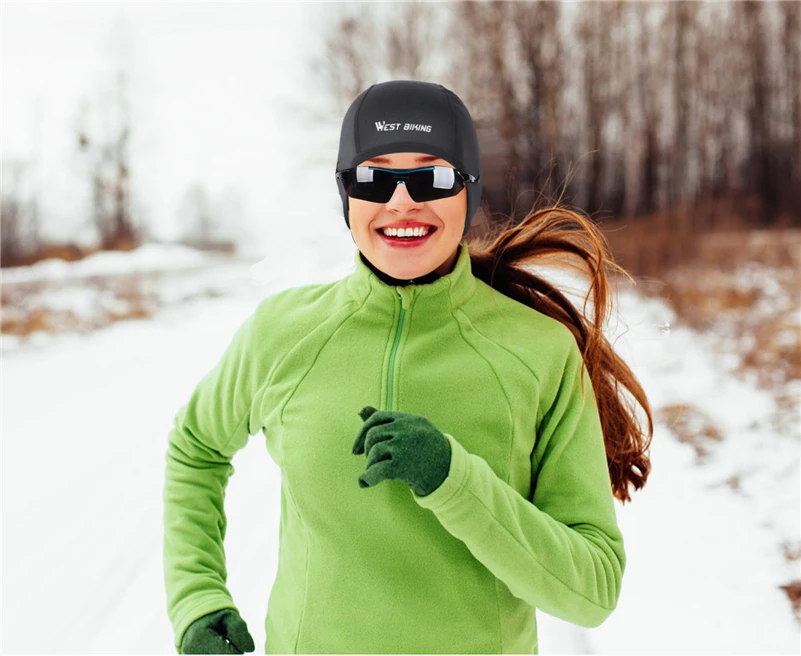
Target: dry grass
(62,251)
(793,591)
(720,276)
(649,246)
(746,287)
(96,301)
(739,283)
(691,426)
(26,309)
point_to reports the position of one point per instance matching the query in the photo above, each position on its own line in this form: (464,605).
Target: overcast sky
(211,90)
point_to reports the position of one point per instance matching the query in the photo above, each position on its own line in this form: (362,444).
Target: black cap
(410,116)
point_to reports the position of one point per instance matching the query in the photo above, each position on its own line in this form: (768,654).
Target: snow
(86,416)
(149,257)
(85,423)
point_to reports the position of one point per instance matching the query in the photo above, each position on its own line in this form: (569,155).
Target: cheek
(453,213)
(360,213)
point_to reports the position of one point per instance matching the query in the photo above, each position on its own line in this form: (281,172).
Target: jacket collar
(389,280)
(447,292)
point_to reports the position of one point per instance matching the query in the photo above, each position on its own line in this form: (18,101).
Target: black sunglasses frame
(384,193)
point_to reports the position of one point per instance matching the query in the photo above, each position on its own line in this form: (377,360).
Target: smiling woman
(447,424)
(404,238)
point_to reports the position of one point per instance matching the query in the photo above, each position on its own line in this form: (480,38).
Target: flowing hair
(563,237)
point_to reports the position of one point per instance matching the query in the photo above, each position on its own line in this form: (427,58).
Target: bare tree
(484,76)
(541,112)
(681,20)
(351,58)
(759,106)
(790,16)
(106,148)
(199,224)
(593,36)
(208,224)
(666,103)
(21,236)
(14,214)
(408,39)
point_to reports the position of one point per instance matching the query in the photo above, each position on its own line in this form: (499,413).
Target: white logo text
(383,126)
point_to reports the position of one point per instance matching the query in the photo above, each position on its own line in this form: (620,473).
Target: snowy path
(84,425)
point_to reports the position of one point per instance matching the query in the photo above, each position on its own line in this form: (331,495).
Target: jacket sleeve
(208,430)
(561,550)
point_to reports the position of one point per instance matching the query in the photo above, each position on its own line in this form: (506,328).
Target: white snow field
(85,421)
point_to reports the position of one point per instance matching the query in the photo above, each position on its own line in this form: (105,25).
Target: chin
(401,274)
(408,275)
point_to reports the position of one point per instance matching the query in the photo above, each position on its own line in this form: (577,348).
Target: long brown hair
(557,235)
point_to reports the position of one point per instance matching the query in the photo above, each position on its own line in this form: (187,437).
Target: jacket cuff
(453,482)
(204,607)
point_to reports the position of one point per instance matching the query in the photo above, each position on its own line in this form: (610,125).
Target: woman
(447,425)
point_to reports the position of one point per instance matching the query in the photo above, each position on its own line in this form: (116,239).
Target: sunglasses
(377,185)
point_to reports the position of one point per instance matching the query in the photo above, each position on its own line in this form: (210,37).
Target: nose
(401,195)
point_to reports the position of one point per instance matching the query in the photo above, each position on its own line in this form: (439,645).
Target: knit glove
(220,632)
(403,446)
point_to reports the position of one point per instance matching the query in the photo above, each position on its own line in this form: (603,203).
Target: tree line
(630,108)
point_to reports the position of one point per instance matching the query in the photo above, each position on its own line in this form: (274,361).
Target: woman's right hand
(221,632)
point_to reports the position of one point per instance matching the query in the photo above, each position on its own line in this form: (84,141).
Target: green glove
(220,632)
(404,446)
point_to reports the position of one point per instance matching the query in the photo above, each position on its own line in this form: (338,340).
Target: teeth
(406,232)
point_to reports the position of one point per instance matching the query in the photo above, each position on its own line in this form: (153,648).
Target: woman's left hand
(403,446)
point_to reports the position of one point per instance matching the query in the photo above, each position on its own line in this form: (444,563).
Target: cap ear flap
(473,201)
(344,196)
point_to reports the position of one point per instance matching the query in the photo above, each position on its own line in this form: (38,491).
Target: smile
(402,237)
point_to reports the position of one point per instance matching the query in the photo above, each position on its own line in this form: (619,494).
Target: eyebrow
(420,159)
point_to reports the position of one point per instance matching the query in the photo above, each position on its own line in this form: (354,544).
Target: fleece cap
(410,116)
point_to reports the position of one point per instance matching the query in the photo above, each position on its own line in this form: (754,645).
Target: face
(445,219)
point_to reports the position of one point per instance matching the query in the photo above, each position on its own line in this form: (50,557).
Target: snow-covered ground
(85,419)
(55,296)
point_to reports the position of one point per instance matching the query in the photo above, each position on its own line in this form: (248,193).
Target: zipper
(391,371)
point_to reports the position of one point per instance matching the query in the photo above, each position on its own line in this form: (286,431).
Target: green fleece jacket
(525,518)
